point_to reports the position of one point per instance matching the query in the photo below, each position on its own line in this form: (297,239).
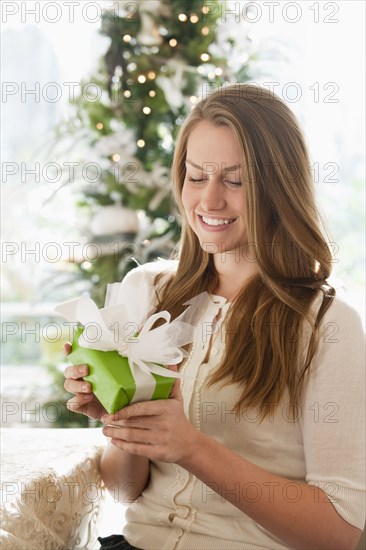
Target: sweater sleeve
(333,413)
(143,278)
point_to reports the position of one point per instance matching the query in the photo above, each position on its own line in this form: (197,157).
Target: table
(51,489)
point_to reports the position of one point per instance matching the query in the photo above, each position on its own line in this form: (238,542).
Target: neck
(233,272)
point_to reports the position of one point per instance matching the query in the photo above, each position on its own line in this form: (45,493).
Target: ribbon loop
(152,347)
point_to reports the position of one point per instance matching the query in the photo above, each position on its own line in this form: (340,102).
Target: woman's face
(212,194)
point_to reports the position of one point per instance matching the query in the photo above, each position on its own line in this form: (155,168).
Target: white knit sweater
(324,446)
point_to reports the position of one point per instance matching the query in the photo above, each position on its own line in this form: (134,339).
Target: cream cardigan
(323,447)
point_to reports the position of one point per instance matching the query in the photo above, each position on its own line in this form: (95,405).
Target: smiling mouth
(217,221)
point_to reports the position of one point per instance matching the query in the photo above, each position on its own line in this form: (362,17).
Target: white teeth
(214,221)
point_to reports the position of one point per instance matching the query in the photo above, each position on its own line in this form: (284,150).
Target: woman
(261,446)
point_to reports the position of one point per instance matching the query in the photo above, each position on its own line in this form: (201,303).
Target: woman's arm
(299,514)
(125,475)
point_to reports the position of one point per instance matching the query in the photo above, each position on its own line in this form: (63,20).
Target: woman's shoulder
(340,335)
(341,309)
(149,271)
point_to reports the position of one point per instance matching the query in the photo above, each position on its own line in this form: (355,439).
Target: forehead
(211,143)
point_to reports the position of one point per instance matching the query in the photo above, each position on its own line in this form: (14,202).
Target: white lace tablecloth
(51,493)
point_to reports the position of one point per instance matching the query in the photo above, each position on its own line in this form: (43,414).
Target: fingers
(67,348)
(143,408)
(86,404)
(77,402)
(175,392)
(136,422)
(138,449)
(77,386)
(84,401)
(147,448)
(130,435)
(173,367)
(74,382)
(76,371)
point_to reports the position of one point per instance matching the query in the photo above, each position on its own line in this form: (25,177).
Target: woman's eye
(237,183)
(195,180)
(200,180)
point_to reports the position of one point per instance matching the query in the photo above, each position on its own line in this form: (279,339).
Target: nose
(212,197)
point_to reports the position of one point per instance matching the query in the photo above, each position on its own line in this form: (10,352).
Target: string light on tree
(141,78)
(140,143)
(127,38)
(205,57)
(218,71)
(173,42)
(194,18)
(163,31)
(205,10)
(99,126)
(152,93)
(146,110)
(127,93)
(116,157)
(182,17)
(151,75)
(205,31)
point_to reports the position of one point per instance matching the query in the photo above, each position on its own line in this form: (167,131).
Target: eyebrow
(228,169)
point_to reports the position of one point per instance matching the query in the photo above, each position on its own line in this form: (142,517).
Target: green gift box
(110,376)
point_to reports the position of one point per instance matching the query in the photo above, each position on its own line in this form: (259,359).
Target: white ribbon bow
(116,327)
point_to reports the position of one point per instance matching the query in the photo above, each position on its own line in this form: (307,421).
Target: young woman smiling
(261,445)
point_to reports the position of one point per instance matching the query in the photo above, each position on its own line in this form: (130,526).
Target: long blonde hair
(265,320)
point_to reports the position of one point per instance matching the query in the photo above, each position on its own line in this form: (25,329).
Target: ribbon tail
(144,380)
(163,371)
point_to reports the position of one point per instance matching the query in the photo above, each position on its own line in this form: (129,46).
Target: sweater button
(183,512)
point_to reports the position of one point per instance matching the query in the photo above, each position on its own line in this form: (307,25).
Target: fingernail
(82,369)
(85,387)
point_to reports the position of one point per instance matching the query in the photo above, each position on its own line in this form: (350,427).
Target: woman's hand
(84,401)
(158,430)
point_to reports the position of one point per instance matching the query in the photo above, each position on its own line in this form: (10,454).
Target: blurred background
(92,96)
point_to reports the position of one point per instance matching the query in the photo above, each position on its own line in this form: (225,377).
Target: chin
(241,250)
(216,246)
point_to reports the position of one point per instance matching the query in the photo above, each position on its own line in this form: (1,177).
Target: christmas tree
(163,56)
